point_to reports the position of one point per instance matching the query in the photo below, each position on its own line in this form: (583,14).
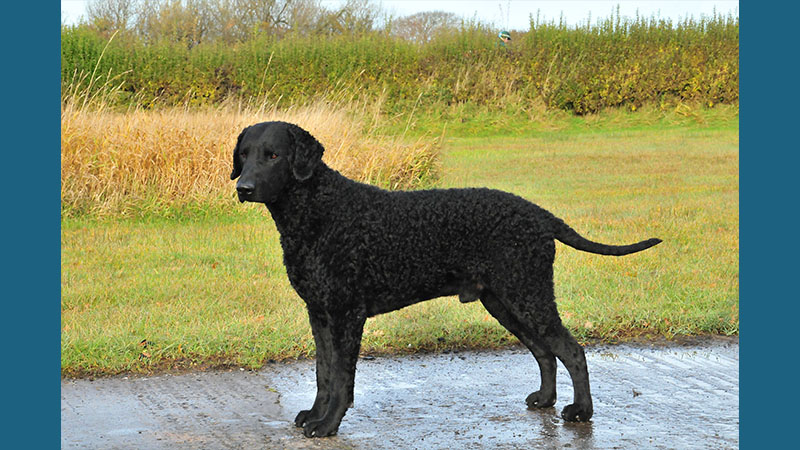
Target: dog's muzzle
(245,191)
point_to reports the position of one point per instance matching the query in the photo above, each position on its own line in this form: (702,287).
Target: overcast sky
(514,14)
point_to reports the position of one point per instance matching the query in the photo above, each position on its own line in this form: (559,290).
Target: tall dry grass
(178,160)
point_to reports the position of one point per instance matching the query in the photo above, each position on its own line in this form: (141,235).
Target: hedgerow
(615,63)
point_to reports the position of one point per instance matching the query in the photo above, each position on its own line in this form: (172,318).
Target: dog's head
(270,156)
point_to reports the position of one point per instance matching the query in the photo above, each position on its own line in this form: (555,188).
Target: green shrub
(583,69)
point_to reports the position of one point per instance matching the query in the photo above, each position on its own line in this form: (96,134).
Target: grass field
(148,294)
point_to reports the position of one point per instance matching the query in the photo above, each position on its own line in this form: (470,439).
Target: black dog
(353,251)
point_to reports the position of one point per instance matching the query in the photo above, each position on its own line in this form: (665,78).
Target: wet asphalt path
(673,397)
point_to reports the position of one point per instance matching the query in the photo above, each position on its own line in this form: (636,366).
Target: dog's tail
(571,237)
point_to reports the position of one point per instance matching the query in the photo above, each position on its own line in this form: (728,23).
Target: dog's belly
(467,289)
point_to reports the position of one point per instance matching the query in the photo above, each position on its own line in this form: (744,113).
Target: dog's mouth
(253,199)
(245,197)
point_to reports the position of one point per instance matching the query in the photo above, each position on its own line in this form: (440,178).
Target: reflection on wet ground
(660,397)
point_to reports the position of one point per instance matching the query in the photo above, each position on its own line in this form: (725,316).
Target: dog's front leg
(344,333)
(322,339)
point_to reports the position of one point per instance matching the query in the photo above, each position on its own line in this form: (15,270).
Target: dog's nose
(245,188)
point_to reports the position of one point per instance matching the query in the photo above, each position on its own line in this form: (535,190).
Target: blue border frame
(32,242)
(768,181)
(768,233)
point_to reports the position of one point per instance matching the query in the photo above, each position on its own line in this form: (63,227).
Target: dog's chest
(309,269)
(300,265)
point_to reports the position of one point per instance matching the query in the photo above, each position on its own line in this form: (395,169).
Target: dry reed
(159,162)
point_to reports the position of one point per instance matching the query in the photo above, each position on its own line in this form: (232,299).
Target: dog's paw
(320,428)
(540,400)
(576,413)
(302,418)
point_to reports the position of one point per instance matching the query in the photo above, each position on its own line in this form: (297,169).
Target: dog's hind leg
(527,293)
(538,310)
(552,333)
(546,395)
(571,354)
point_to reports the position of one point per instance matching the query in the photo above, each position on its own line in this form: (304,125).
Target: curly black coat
(353,251)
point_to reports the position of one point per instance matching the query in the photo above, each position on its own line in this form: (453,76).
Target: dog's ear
(237,160)
(307,153)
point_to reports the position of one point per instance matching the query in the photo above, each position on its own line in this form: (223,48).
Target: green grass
(622,187)
(213,291)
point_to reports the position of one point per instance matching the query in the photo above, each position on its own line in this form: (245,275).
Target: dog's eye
(272,155)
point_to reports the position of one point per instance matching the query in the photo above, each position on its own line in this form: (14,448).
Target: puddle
(661,397)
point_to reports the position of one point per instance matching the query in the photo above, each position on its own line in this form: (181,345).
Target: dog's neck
(298,211)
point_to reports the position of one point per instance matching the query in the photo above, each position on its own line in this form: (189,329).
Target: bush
(581,69)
